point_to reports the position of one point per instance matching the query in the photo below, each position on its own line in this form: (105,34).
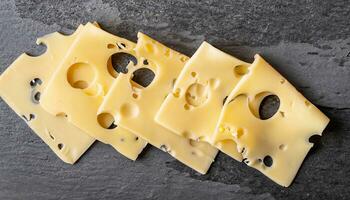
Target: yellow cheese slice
(21,85)
(193,108)
(80,84)
(135,106)
(278,145)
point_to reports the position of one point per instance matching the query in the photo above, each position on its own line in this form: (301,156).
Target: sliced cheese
(79,86)
(21,86)
(276,146)
(135,106)
(194,106)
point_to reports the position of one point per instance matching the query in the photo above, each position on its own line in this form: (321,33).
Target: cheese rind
(80,84)
(135,106)
(276,146)
(20,87)
(194,106)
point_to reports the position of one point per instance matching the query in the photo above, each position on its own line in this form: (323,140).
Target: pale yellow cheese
(135,106)
(283,138)
(21,85)
(80,84)
(194,106)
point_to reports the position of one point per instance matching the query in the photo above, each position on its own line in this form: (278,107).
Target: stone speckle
(307,41)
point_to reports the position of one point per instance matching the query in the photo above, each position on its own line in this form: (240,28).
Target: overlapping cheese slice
(80,84)
(276,146)
(21,86)
(194,106)
(134,106)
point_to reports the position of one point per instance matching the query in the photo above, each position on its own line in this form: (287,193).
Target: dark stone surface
(307,41)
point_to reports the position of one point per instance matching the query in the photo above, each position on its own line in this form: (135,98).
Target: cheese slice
(135,106)
(278,145)
(79,86)
(21,86)
(194,106)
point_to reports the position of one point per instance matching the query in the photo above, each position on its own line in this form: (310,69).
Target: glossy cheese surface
(80,84)
(21,86)
(134,104)
(278,145)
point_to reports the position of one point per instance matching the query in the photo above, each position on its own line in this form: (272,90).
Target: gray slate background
(307,41)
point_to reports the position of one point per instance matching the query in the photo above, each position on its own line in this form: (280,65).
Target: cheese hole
(307,103)
(241,70)
(192,142)
(240,132)
(94,90)
(112,126)
(214,83)
(121,45)
(183,59)
(129,110)
(36,81)
(51,136)
(61,114)
(60,146)
(80,75)
(245,160)
(268,161)
(282,81)
(143,77)
(193,74)
(315,139)
(106,120)
(223,101)
(36,97)
(145,62)
(282,113)
(282,147)
(38,50)
(197,94)
(136,138)
(119,62)
(81,84)
(164,148)
(135,96)
(29,118)
(177,92)
(187,107)
(110,46)
(269,106)
(110,68)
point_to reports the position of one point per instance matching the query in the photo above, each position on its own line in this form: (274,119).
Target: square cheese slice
(80,84)
(193,107)
(134,104)
(276,146)
(21,86)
